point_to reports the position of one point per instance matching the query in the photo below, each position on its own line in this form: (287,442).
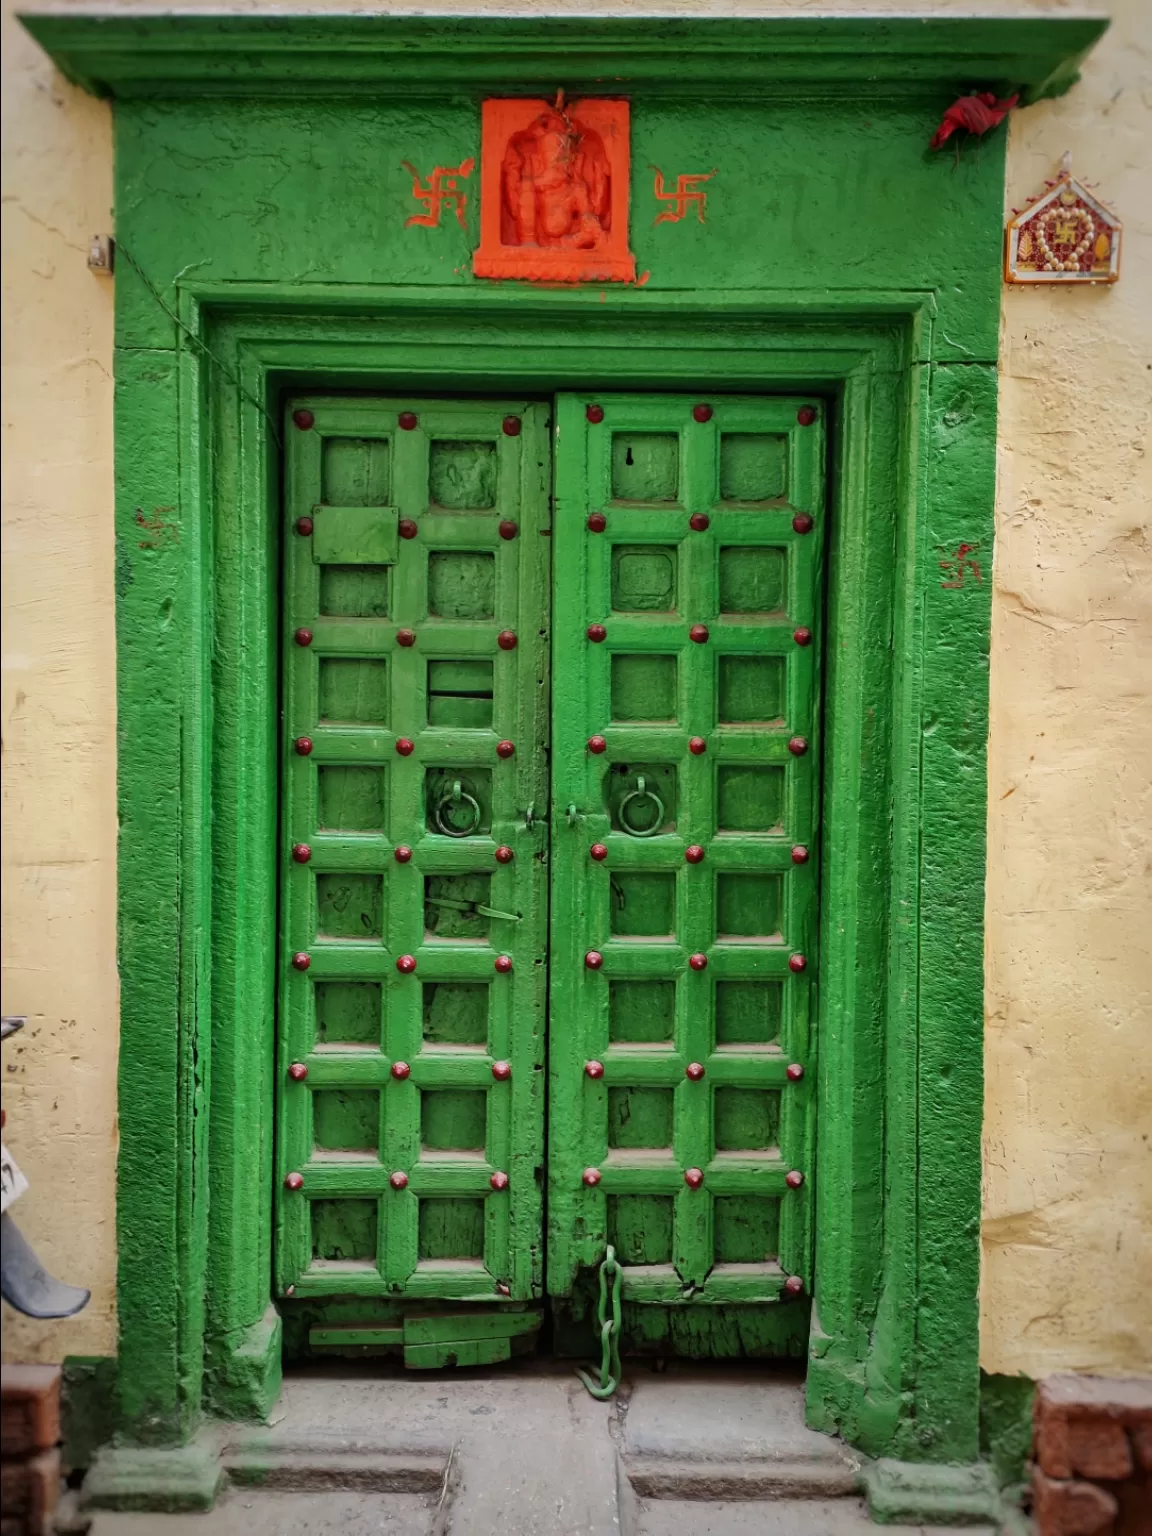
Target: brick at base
(1093,1449)
(29,1439)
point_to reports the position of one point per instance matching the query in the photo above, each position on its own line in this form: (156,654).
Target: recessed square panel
(753,466)
(356,472)
(353,690)
(451,903)
(643,905)
(746,1119)
(460,693)
(748,1012)
(750,690)
(643,688)
(452,1119)
(354,591)
(451,1229)
(752,579)
(749,798)
(349,906)
(462,475)
(458,801)
(645,466)
(461,584)
(745,1229)
(644,578)
(640,1117)
(348,1013)
(640,1228)
(641,1012)
(456,1012)
(346,1119)
(344,1230)
(351,799)
(748,906)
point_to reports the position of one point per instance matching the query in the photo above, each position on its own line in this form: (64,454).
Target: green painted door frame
(262,248)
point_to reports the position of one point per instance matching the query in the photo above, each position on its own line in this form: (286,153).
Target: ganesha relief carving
(554,191)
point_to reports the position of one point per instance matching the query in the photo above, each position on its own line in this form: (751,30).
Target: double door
(549,917)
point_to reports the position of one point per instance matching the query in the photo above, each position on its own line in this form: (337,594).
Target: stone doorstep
(348,1471)
(666,1478)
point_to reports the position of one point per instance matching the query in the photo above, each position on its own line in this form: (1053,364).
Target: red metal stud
(698,962)
(504,854)
(594,413)
(301,961)
(510,426)
(599,852)
(406,637)
(401,1070)
(406,964)
(699,634)
(793,1286)
(407,528)
(699,522)
(794,1072)
(693,1177)
(508,529)
(503,964)
(290,1290)
(806,415)
(594,1069)
(694,853)
(294,1181)
(303,637)
(505,748)
(802,636)
(503,1288)
(596,633)
(797,963)
(301,853)
(794,1178)
(591,1177)
(303,745)
(501,1071)
(697,746)
(297,1071)
(304,527)
(303,419)
(499,1181)
(404,747)
(802,523)
(597,522)
(399,1179)
(402,853)
(597,744)
(798,745)
(701,413)
(506,639)
(799,854)
(593,960)
(694,1071)
(406,421)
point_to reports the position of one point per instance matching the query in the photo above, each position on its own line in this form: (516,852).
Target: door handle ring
(641,793)
(458,797)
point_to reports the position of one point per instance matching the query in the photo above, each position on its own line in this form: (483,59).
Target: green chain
(611,1275)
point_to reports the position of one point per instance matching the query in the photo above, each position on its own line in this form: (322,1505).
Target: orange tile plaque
(554,191)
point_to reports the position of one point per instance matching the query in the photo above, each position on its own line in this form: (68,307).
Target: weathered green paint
(744,688)
(1006,1425)
(356,691)
(262,250)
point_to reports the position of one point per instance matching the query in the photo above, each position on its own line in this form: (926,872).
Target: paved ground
(526,1451)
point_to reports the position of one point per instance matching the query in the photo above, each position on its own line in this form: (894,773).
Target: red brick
(1141,1435)
(1080,1424)
(1135,1500)
(1066,1507)
(29,1491)
(29,1408)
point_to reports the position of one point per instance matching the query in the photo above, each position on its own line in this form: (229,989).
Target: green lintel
(222,55)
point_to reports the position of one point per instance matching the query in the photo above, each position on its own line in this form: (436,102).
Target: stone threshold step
(802,1478)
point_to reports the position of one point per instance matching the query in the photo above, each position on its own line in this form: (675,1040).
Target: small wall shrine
(554,191)
(1064,236)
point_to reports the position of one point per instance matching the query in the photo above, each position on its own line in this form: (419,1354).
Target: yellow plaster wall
(1069,1032)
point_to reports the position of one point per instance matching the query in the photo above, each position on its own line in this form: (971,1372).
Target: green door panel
(683,928)
(414,648)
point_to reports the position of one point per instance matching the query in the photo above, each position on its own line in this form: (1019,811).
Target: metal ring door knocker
(449,804)
(641,793)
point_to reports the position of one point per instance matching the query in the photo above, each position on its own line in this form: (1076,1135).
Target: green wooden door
(686,626)
(412,952)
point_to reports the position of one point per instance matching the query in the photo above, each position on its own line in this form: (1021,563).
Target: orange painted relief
(554,191)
